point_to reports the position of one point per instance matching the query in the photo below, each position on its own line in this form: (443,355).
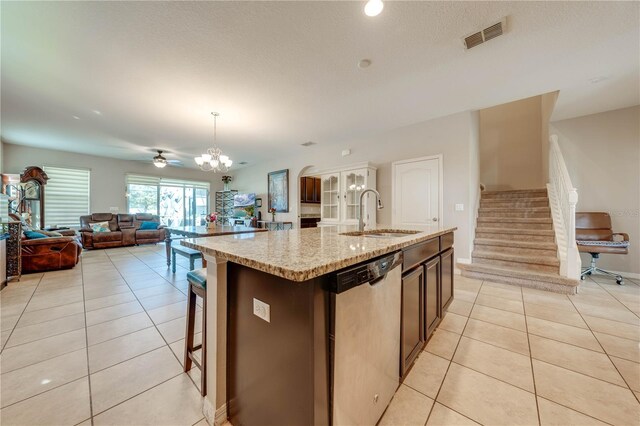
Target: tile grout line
(435,399)
(609,356)
(533,374)
(21,313)
(154,325)
(86,338)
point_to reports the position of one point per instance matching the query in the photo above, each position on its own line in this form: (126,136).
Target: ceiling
(145,75)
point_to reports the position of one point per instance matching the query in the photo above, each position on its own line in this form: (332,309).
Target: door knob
(435,219)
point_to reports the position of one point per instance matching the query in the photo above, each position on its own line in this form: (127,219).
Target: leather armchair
(594,235)
(143,236)
(50,254)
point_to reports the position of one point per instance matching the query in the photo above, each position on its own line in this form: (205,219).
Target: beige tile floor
(99,344)
(103,343)
(506,355)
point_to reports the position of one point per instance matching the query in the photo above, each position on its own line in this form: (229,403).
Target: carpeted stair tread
(524,231)
(536,220)
(516,243)
(515,209)
(510,195)
(516,258)
(506,271)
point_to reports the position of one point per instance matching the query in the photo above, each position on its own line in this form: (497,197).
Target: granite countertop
(303,254)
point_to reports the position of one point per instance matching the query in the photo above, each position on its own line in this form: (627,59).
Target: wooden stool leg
(173,261)
(191,263)
(203,353)
(191,322)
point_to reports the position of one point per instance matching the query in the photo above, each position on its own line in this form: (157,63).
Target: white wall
(107,174)
(602,152)
(451,136)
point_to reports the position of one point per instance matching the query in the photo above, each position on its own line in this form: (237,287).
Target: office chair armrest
(625,237)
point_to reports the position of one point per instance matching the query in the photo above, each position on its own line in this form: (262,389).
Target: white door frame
(440,184)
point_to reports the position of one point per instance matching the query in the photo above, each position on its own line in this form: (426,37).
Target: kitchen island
(293,324)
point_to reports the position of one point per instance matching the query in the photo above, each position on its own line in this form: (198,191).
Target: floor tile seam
(533,373)
(487,306)
(139,393)
(572,409)
(114,319)
(43,392)
(43,360)
(203,418)
(64,316)
(435,399)
(122,335)
(154,325)
(568,343)
(493,377)
(55,306)
(609,356)
(46,337)
(493,323)
(110,306)
(20,317)
(559,310)
(86,337)
(581,412)
(91,373)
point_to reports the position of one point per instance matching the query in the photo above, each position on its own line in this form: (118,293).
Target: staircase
(515,242)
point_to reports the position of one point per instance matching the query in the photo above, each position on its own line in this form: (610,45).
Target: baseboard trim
(214,417)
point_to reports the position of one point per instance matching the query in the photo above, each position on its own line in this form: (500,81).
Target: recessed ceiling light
(364,63)
(76,117)
(96,112)
(373,7)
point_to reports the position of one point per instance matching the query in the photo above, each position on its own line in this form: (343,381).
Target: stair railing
(563,198)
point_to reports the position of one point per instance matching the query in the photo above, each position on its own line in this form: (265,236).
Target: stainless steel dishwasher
(365,340)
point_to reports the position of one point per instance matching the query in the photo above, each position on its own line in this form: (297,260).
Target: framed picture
(278,185)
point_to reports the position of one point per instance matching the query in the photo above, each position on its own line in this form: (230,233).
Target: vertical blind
(66,195)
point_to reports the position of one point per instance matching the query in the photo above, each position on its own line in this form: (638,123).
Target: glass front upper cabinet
(354,183)
(330,200)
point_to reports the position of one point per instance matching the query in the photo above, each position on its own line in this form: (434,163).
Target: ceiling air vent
(492,31)
(308,143)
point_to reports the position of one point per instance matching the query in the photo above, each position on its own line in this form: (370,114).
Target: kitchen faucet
(360,218)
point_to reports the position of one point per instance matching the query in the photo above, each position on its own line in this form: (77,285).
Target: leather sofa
(49,254)
(124,230)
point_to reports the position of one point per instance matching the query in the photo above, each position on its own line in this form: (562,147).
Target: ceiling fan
(160,161)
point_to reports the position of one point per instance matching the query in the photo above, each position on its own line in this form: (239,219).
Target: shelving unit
(224,205)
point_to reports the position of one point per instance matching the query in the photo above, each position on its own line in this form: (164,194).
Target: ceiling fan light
(160,164)
(373,7)
(199,161)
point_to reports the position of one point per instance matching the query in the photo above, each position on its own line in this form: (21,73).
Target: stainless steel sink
(381,233)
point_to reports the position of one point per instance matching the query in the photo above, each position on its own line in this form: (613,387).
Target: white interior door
(416,192)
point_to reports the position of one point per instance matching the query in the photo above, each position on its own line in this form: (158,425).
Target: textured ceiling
(282,73)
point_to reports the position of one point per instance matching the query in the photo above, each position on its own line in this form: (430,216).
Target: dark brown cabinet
(310,191)
(432,296)
(446,259)
(412,329)
(427,290)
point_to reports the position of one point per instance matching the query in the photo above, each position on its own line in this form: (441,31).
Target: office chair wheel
(620,281)
(589,273)
(582,278)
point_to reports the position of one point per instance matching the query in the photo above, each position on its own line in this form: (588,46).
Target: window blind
(66,196)
(132,179)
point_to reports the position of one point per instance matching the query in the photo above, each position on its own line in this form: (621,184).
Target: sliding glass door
(178,203)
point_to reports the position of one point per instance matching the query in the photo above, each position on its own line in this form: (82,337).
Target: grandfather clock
(33,179)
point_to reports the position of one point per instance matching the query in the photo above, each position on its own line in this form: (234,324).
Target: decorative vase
(211,225)
(226,186)
(273,217)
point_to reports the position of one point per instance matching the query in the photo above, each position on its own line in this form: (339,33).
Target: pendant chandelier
(214,160)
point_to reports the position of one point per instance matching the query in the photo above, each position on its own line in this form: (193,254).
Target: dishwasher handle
(371,272)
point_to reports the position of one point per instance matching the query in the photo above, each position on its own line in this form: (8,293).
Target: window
(177,202)
(67,196)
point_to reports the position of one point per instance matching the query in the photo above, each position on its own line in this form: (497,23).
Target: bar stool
(197,287)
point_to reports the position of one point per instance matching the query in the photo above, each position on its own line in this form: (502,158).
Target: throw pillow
(49,233)
(148,225)
(100,227)
(32,235)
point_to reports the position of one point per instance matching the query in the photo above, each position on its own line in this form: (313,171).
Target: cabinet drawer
(446,241)
(420,253)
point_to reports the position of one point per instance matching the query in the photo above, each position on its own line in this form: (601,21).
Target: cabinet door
(303,183)
(432,296)
(353,183)
(330,206)
(308,190)
(317,190)
(412,321)
(447,278)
